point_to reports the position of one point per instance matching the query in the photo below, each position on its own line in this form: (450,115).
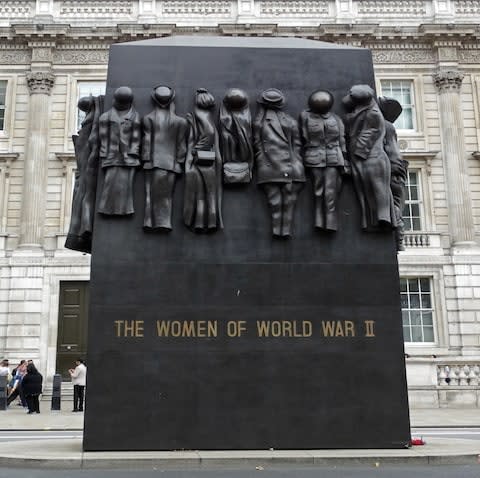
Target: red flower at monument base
(417,441)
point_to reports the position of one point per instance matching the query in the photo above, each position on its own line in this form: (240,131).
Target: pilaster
(448,80)
(40,81)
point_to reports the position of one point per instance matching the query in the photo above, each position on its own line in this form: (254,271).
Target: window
(412,214)
(417,310)
(402,91)
(86,88)
(3,95)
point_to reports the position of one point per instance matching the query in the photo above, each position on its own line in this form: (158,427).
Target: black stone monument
(235,339)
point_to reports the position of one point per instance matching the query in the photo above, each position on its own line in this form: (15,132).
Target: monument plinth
(235,338)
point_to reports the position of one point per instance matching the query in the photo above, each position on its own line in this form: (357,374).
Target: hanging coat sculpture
(120,132)
(163,153)
(202,210)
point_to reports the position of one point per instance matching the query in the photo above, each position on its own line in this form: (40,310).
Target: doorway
(72,325)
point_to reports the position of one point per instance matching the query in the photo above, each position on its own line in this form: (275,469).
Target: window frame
(440,323)
(8,118)
(72,100)
(418,130)
(78,96)
(422,164)
(420,308)
(420,201)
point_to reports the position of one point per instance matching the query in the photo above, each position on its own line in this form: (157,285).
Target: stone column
(462,232)
(40,84)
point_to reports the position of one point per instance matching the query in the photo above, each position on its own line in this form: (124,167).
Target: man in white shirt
(79,376)
(4,371)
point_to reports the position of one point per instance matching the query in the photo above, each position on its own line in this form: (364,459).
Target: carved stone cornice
(403,56)
(448,79)
(81,57)
(14,55)
(40,82)
(42,51)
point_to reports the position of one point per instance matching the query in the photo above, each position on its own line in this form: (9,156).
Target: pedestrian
(32,388)
(5,372)
(16,384)
(79,377)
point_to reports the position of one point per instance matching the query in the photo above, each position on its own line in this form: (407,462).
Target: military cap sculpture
(323,135)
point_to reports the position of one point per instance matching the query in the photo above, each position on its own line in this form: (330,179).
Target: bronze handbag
(236,173)
(205,158)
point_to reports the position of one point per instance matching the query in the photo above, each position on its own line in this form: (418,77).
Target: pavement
(67,452)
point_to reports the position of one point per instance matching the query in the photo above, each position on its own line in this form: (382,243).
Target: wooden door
(72,325)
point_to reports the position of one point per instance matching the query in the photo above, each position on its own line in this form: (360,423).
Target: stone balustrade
(458,375)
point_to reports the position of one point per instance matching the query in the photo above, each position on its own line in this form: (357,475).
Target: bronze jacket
(119,138)
(164,140)
(367,132)
(324,139)
(277,148)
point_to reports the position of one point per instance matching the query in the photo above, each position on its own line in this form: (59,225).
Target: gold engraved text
(338,328)
(187,328)
(369,328)
(284,328)
(129,328)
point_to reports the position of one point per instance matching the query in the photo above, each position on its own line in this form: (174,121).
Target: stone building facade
(426,53)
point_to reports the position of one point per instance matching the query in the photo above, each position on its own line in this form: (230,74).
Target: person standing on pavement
(5,372)
(16,384)
(79,377)
(32,388)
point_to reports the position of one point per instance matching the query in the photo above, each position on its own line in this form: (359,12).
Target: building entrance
(72,325)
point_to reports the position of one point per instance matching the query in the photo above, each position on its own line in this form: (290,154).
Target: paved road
(469,433)
(274,472)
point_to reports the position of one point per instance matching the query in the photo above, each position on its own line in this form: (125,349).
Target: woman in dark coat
(32,388)
(202,210)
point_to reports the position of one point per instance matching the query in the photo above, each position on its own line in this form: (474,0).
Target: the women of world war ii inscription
(244,286)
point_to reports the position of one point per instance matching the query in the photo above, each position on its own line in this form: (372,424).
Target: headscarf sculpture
(323,135)
(236,137)
(202,209)
(369,162)
(86,144)
(278,159)
(391,110)
(120,135)
(164,146)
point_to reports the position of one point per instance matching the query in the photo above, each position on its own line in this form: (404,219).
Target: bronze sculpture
(202,210)
(278,160)
(323,135)
(369,162)
(79,236)
(120,135)
(391,110)
(163,154)
(236,137)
